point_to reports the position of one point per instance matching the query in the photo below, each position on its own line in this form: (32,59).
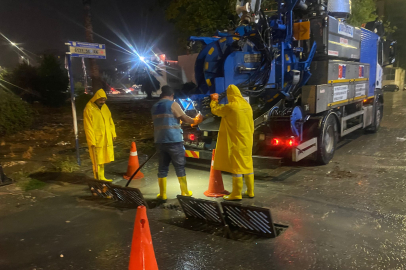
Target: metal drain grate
(101,189)
(251,219)
(208,211)
(129,195)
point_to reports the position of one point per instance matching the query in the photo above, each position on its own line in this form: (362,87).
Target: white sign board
(345,30)
(87,50)
(360,89)
(340,93)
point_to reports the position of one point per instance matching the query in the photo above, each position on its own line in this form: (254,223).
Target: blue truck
(310,78)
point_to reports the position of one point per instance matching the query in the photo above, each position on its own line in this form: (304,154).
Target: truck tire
(327,139)
(378,117)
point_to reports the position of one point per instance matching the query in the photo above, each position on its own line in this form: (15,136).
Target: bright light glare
(12,43)
(142,58)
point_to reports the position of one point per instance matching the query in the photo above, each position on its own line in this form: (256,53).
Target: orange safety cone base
(216,186)
(207,193)
(139,175)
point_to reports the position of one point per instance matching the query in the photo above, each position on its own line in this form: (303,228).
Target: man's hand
(214,97)
(197,120)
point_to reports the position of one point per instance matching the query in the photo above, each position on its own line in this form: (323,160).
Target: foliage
(15,114)
(48,83)
(362,11)
(269,5)
(79,88)
(200,17)
(25,182)
(53,81)
(67,164)
(389,29)
(24,81)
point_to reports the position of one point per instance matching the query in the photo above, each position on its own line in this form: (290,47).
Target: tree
(362,11)
(200,17)
(53,81)
(24,82)
(94,68)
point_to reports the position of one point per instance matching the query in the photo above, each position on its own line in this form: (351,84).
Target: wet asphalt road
(349,214)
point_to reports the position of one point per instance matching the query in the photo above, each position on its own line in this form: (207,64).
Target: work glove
(214,97)
(198,119)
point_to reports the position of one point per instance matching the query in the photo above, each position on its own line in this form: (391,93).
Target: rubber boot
(183,187)
(162,189)
(101,174)
(249,182)
(236,194)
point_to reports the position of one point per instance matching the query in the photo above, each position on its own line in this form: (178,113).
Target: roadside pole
(72,98)
(82,50)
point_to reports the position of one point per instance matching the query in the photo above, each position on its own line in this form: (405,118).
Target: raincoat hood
(99,94)
(234,94)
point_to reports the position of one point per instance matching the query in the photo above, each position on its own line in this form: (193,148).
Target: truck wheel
(378,118)
(327,140)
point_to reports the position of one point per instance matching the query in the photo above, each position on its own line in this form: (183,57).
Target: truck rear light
(290,142)
(191,137)
(276,142)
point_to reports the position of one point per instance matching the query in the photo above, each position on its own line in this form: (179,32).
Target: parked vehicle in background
(391,88)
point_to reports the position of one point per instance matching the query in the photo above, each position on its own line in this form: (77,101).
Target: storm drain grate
(208,211)
(129,195)
(125,195)
(251,219)
(100,189)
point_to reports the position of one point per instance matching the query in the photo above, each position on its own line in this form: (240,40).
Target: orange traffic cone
(142,256)
(133,164)
(216,186)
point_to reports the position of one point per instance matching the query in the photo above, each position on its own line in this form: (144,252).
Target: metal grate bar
(121,194)
(206,210)
(251,219)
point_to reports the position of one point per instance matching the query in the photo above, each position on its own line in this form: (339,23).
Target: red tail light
(276,142)
(290,142)
(191,137)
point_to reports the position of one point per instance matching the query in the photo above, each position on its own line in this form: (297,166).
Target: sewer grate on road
(129,196)
(252,219)
(101,189)
(208,211)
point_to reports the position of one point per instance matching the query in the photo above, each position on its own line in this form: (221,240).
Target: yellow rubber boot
(101,174)
(183,187)
(162,189)
(236,194)
(249,181)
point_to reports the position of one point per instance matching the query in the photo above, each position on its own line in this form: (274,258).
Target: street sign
(87,50)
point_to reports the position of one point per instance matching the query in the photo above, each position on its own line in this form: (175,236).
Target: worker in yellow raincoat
(234,142)
(100,133)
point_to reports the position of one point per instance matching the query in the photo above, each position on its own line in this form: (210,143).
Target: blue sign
(87,50)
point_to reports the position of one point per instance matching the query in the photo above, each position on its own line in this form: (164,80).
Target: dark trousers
(168,152)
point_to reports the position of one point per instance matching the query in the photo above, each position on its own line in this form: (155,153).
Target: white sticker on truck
(340,93)
(345,30)
(360,89)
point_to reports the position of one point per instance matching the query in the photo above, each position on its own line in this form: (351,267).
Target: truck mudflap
(305,149)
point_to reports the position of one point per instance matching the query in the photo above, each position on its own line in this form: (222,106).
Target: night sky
(44,25)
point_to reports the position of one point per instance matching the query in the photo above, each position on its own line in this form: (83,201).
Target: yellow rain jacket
(99,129)
(235,138)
